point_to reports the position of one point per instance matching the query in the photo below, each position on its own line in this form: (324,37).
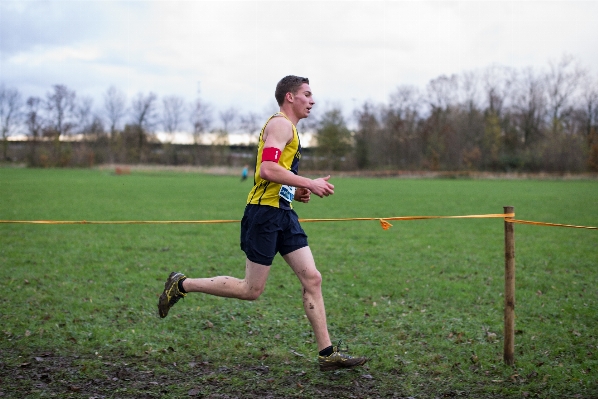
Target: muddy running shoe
(338,360)
(171,294)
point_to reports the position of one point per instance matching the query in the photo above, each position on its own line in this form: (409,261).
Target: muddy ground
(48,375)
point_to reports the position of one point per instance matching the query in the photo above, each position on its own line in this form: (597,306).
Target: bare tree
(250,124)
(589,104)
(228,118)
(397,144)
(368,126)
(590,117)
(143,111)
(33,118)
(114,108)
(562,81)
(530,106)
(85,117)
(440,140)
(499,134)
(201,119)
(498,84)
(405,100)
(172,114)
(468,122)
(34,123)
(144,117)
(442,92)
(10,112)
(60,105)
(469,90)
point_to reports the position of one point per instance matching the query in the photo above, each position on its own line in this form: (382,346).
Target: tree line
(121,130)
(495,119)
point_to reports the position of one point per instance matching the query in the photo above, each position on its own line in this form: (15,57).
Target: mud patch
(50,375)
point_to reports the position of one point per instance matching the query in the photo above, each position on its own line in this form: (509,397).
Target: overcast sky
(236,51)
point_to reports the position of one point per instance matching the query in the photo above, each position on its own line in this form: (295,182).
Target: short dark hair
(288,84)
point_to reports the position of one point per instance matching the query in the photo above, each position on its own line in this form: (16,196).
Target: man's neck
(290,114)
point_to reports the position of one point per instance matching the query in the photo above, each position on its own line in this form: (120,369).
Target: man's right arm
(278,133)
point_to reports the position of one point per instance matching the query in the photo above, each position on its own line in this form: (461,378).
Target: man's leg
(249,288)
(303,264)
(330,358)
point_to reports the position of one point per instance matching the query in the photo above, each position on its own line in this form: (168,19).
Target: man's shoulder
(278,124)
(279,120)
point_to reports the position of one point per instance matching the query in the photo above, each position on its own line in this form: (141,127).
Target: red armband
(271,154)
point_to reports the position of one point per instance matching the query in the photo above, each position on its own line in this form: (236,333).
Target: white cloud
(40,57)
(238,49)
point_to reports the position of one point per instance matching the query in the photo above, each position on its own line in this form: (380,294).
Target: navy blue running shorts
(266,230)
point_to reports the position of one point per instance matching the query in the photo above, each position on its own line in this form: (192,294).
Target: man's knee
(313,279)
(252,293)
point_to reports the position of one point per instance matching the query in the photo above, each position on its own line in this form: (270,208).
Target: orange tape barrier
(119,221)
(386,225)
(383,221)
(508,219)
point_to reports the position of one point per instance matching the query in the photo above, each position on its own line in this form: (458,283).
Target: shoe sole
(163,310)
(336,366)
(163,301)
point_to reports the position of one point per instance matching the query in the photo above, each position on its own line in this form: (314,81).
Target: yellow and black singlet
(268,193)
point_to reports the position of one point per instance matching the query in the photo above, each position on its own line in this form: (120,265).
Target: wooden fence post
(509,332)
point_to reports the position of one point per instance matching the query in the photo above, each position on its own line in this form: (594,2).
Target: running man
(270,224)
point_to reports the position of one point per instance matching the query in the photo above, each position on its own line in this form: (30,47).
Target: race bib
(287,193)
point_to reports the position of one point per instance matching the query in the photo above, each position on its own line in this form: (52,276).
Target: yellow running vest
(268,193)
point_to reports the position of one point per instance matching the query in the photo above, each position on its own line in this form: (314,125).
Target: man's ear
(289,96)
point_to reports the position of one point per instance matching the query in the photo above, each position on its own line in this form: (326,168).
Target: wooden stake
(509,333)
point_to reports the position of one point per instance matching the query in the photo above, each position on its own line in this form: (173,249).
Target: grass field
(423,300)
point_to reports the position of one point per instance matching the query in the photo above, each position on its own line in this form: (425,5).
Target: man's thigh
(256,275)
(303,264)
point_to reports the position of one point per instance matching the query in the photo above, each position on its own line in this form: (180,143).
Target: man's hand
(302,195)
(321,187)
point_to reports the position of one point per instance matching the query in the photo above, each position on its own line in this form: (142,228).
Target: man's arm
(278,133)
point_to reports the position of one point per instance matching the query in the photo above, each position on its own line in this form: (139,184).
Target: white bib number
(287,193)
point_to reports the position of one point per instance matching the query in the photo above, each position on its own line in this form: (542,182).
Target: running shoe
(171,294)
(338,360)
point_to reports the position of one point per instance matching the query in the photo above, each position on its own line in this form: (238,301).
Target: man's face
(303,101)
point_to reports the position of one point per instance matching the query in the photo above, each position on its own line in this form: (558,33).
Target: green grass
(422,300)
